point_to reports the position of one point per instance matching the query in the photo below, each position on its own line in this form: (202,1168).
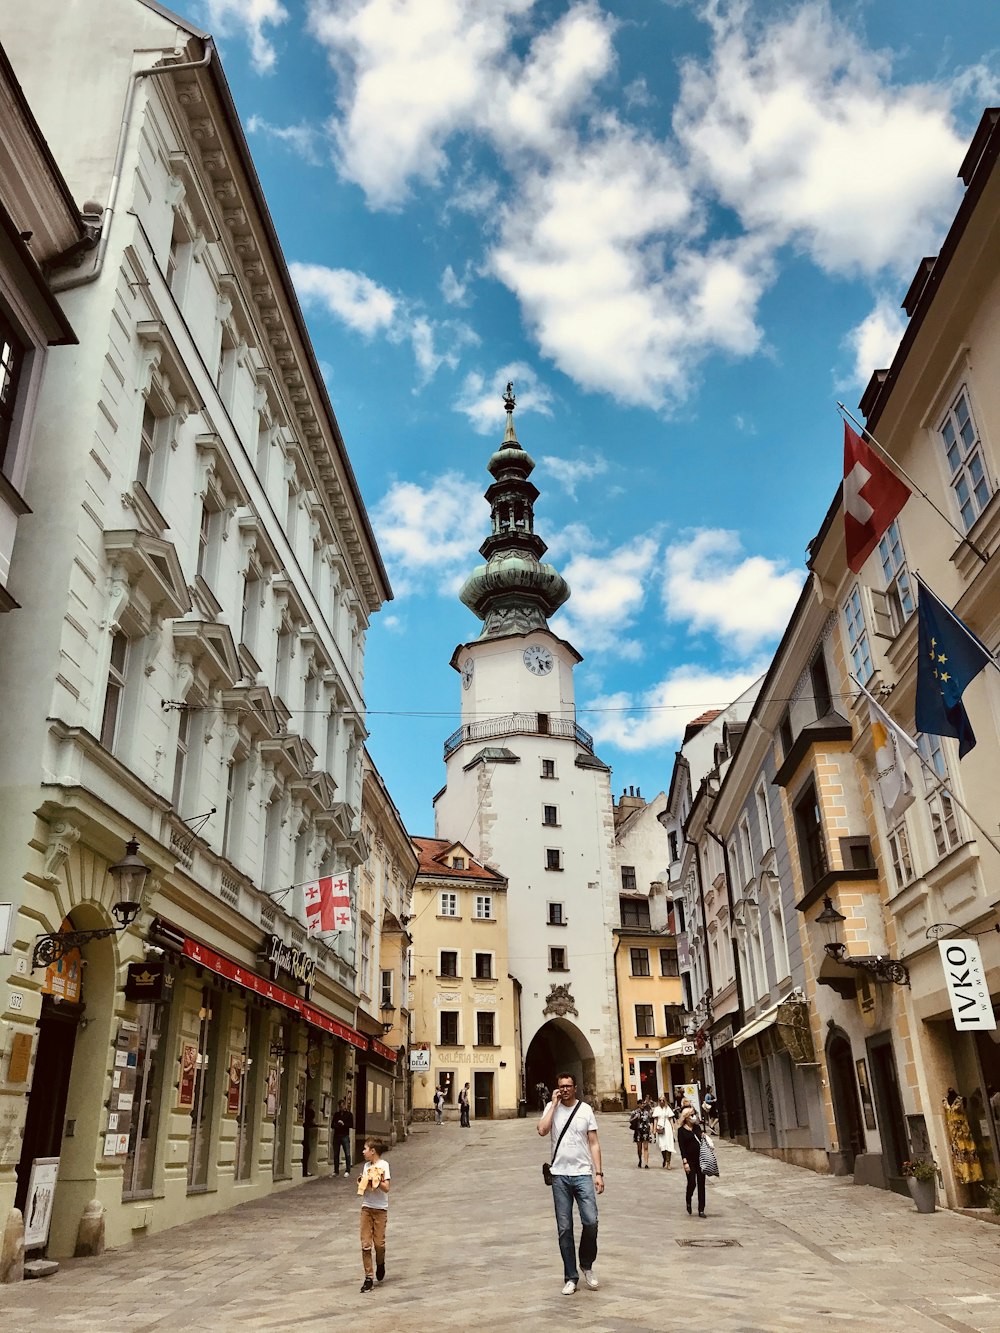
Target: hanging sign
(420,1058)
(965,978)
(146,983)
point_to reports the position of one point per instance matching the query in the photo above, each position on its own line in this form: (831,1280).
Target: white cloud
(607,593)
(788,129)
(251,16)
(874,341)
(353,298)
(453,289)
(393,623)
(369,309)
(428,534)
(409,75)
(742,601)
(656,718)
(569,472)
(795,125)
(481,396)
(300,138)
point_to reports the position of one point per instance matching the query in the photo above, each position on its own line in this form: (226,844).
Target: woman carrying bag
(689,1140)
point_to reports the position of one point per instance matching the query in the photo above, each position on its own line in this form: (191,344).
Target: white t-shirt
(377,1198)
(573,1158)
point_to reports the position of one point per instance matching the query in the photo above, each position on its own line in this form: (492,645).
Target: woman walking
(689,1132)
(641,1124)
(663,1129)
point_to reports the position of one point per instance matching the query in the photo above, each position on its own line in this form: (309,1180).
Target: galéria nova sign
(284,957)
(965,978)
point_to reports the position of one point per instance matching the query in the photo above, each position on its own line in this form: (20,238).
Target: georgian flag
(327,905)
(873,496)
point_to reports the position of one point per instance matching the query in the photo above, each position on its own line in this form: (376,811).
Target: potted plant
(921,1180)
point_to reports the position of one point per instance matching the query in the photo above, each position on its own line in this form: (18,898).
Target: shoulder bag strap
(563,1131)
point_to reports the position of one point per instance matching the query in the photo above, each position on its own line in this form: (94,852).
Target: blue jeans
(341,1141)
(564,1190)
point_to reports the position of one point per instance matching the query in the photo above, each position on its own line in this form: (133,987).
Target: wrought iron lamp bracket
(887,970)
(52,948)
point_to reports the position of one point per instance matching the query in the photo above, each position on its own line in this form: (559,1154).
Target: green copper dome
(515,591)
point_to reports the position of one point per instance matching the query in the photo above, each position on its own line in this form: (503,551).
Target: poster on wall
(271,1091)
(189,1066)
(234,1086)
(38,1205)
(690,1090)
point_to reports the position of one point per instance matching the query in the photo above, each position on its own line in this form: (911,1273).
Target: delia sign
(966,981)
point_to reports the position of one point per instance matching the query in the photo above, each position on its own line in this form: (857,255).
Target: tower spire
(514,592)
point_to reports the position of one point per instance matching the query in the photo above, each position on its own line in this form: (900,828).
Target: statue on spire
(508,398)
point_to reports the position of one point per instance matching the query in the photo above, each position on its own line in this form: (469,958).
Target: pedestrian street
(472,1244)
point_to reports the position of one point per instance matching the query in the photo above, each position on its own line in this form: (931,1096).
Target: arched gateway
(559,1047)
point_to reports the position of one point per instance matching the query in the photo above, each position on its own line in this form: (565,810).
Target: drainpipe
(80,280)
(621,1034)
(708,958)
(732,939)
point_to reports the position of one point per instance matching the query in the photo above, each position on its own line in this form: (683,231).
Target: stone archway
(559,1047)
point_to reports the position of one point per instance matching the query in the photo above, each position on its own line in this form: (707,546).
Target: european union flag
(949,656)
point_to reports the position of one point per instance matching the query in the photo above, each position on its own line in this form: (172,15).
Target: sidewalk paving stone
(472,1243)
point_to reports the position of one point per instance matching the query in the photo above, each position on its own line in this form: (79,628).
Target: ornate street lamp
(130,875)
(882,969)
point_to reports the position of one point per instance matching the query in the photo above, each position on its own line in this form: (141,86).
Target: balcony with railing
(519,724)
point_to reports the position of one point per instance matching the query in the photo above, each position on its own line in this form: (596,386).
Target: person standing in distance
(576,1174)
(343,1123)
(463,1107)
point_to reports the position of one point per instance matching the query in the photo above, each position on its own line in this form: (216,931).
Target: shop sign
(284,957)
(203,956)
(420,1059)
(723,1037)
(147,982)
(971,1006)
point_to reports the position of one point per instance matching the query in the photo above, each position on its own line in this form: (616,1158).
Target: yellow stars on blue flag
(949,656)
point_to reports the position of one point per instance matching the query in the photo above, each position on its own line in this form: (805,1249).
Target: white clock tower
(528,796)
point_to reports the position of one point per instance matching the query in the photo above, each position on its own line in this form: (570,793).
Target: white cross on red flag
(873,496)
(327,905)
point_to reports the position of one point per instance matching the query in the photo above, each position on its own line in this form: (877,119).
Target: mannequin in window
(965,1158)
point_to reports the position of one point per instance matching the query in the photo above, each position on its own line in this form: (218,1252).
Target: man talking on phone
(576,1173)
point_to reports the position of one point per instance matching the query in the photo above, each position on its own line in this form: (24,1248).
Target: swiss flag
(873,496)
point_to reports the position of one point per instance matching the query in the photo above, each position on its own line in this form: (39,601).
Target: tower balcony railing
(519,724)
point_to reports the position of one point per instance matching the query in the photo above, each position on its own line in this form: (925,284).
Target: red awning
(380,1048)
(268,990)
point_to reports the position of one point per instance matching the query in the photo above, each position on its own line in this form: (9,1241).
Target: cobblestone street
(472,1242)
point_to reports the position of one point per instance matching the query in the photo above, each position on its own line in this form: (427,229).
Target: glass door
(138,1178)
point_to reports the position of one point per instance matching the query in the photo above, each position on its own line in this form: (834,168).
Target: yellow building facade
(650,1010)
(463,1000)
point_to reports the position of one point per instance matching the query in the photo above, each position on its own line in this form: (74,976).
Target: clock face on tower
(538,660)
(468,667)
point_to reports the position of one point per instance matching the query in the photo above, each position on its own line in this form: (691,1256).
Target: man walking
(576,1174)
(463,1107)
(343,1123)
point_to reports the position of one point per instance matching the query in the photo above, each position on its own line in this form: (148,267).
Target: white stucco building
(527,794)
(196,577)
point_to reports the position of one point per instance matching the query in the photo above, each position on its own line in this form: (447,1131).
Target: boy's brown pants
(373,1222)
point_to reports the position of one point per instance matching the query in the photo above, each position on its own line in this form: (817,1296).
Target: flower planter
(923,1193)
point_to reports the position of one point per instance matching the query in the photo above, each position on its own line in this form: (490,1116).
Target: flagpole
(973,638)
(931,769)
(900,471)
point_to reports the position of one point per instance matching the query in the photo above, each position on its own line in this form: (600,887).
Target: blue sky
(683,230)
